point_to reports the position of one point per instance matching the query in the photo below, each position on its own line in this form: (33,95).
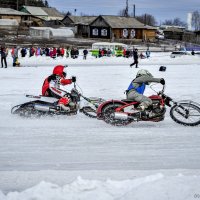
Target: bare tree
(175,22)
(147,19)
(124,12)
(196,20)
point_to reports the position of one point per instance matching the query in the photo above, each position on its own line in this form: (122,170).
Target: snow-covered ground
(81,158)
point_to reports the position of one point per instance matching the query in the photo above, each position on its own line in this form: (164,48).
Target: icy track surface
(81,158)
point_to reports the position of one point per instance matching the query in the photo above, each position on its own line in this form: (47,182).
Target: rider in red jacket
(51,86)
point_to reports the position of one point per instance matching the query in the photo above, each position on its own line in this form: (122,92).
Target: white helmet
(145,72)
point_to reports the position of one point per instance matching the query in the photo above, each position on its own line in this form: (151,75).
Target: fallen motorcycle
(124,112)
(41,105)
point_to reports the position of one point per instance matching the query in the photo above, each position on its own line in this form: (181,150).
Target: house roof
(124,22)
(173,29)
(10,11)
(37,11)
(52,12)
(86,20)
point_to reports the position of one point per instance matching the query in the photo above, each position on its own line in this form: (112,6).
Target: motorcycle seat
(127,100)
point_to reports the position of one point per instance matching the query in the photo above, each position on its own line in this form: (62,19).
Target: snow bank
(153,187)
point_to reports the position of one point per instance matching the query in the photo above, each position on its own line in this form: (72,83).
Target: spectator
(62,51)
(31,52)
(142,56)
(193,53)
(58,52)
(85,53)
(135,57)
(4,53)
(14,54)
(109,52)
(148,53)
(23,52)
(76,53)
(47,51)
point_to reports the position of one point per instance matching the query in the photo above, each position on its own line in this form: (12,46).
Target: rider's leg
(63,104)
(144,101)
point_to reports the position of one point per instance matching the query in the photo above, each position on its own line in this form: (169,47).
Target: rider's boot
(143,111)
(72,105)
(64,107)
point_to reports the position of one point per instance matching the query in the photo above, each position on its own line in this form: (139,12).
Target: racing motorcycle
(41,105)
(124,112)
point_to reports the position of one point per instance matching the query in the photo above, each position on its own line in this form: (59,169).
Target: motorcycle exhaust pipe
(122,116)
(43,108)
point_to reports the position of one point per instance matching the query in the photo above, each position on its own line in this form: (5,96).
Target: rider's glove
(73,79)
(162,81)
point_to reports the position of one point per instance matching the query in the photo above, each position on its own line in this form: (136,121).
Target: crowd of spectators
(20,52)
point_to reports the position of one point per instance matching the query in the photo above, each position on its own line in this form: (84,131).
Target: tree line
(16,4)
(150,20)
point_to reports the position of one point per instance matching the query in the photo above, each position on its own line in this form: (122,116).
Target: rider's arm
(146,79)
(65,81)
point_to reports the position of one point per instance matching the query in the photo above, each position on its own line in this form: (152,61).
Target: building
(50,33)
(8,13)
(53,14)
(108,27)
(35,11)
(197,33)
(43,12)
(81,24)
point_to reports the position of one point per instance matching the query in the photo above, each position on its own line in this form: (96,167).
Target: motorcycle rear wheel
(25,110)
(180,115)
(108,115)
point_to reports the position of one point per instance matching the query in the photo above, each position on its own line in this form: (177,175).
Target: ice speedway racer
(38,105)
(123,112)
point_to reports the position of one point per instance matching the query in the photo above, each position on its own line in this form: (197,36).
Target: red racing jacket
(52,85)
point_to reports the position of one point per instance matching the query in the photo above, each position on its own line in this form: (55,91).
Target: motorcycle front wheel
(108,115)
(187,114)
(88,111)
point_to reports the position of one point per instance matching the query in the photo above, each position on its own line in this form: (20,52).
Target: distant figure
(148,53)
(4,53)
(85,53)
(193,53)
(14,54)
(142,56)
(135,57)
(23,52)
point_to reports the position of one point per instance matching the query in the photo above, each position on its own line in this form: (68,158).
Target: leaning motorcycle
(40,105)
(124,112)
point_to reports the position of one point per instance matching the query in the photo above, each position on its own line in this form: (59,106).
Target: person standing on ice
(135,57)
(3,53)
(137,86)
(51,87)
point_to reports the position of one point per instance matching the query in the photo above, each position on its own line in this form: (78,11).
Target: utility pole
(17,4)
(134,10)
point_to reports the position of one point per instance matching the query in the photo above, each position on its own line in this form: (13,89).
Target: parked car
(197,53)
(175,54)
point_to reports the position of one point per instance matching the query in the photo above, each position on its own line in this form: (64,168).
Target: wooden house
(174,32)
(197,35)
(8,13)
(35,11)
(80,24)
(106,26)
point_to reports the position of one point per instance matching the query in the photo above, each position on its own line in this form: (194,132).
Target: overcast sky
(160,9)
